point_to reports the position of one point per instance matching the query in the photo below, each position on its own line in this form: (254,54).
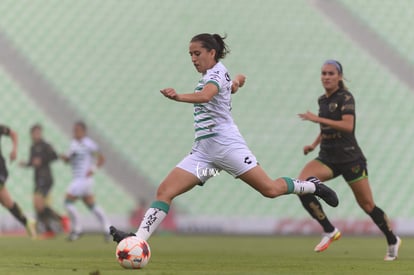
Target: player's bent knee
(367,206)
(164,195)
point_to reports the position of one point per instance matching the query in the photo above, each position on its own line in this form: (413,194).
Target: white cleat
(392,251)
(327,239)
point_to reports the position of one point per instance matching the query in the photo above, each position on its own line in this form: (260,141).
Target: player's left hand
(13,155)
(241,78)
(309,116)
(90,173)
(169,93)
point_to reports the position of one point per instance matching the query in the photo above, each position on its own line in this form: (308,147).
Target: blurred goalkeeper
(42,155)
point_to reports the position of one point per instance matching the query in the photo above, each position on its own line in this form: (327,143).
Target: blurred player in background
(218,143)
(340,154)
(5,198)
(84,158)
(42,155)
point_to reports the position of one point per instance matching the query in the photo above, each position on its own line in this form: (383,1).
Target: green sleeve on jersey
(215,83)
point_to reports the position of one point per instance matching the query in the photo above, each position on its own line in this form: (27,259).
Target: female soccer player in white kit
(218,143)
(81,156)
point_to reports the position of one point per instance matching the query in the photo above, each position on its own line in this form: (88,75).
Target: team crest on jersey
(356,169)
(332,106)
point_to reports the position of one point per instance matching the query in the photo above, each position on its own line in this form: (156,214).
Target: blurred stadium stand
(109,59)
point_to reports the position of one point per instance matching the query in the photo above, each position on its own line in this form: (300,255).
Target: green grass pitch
(206,255)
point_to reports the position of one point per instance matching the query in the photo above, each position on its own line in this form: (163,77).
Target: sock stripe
(161,205)
(290,184)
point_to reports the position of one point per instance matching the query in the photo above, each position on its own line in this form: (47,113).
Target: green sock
(290,185)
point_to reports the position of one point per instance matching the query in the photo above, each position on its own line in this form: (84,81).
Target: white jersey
(213,119)
(82,155)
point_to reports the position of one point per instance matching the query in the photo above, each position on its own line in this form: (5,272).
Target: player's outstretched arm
(204,96)
(346,124)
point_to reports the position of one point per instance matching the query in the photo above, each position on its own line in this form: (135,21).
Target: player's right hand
(307,149)
(169,93)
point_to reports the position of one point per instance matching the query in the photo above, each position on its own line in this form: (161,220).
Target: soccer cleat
(74,236)
(118,235)
(324,192)
(31,228)
(392,251)
(327,239)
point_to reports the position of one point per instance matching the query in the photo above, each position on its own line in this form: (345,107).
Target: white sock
(303,187)
(299,187)
(100,214)
(74,217)
(152,219)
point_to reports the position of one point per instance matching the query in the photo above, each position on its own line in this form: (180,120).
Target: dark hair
(35,127)
(213,42)
(81,124)
(340,70)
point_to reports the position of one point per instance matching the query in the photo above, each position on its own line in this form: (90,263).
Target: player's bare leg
(363,195)
(259,180)
(7,201)
(314,207)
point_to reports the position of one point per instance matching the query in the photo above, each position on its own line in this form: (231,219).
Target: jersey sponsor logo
(203,172)
(332,136)
(332,106)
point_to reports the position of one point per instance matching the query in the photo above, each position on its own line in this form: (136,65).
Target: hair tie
(336,64)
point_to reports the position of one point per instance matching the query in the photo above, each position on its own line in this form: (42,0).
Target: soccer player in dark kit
(339,155)
(42,155)
(5,198)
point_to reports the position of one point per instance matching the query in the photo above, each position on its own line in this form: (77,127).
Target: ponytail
(213,41)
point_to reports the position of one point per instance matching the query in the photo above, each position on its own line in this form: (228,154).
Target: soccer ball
(133,253)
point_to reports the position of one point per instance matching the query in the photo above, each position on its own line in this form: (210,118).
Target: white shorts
(80,187)
(208,158)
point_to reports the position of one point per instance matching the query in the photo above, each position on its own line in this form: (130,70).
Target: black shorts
(350,171)
(43,186)
(4,174)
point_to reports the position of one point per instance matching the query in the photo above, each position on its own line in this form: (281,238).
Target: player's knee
(367,206)
(164,195)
